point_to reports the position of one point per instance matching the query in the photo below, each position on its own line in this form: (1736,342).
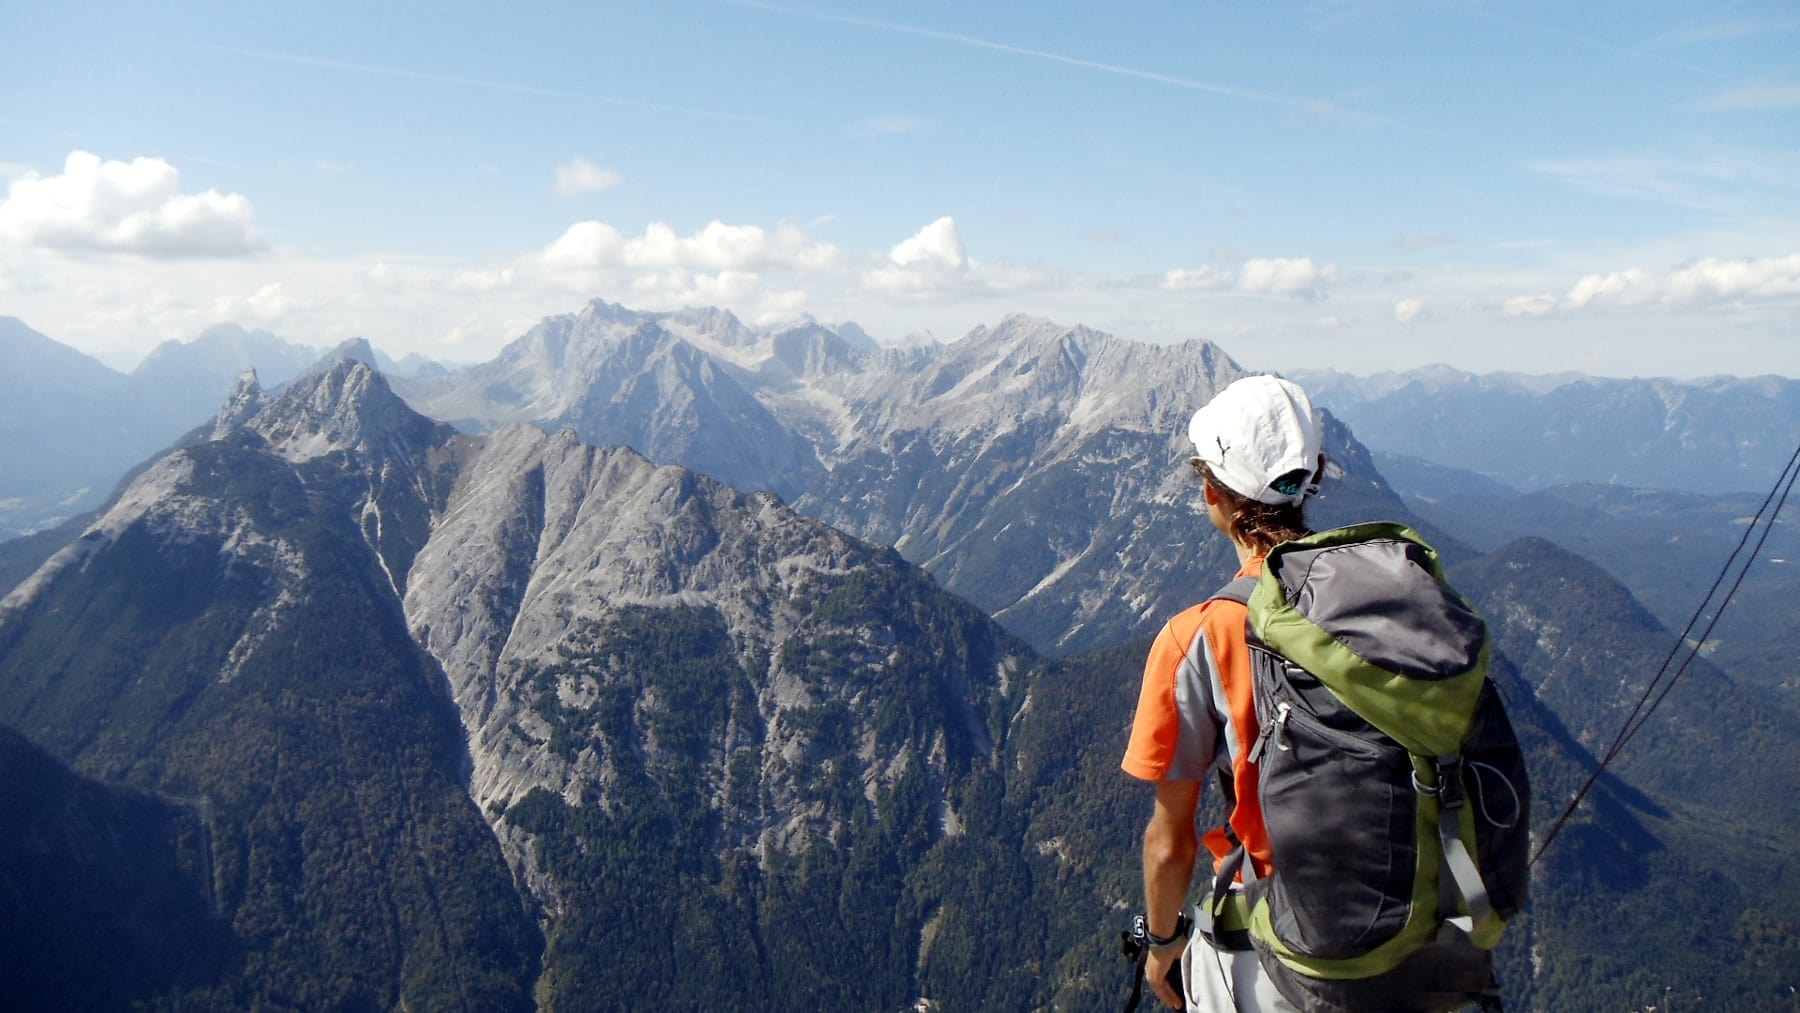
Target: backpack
(1392,785)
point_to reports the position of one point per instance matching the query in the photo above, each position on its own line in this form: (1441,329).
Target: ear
(1212,495)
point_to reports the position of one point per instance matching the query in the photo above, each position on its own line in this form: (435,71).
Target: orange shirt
(1196,710)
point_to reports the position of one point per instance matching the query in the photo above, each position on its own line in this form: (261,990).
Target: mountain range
(1667,547)
(1035,469)
(493,717)
(1712,436)
(74,426)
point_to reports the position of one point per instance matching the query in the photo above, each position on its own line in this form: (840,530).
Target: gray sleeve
(1197,743)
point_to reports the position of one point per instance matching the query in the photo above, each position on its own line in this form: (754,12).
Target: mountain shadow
(106,893)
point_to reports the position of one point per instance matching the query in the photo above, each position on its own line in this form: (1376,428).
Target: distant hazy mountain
(61,443)
(1036,469)
(185,380)
(70,426)
(1711,436)
(1668,547)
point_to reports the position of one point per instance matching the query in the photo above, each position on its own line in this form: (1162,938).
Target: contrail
(1228,91)
(475,82)
(1323,107)
(1600,44)
(98,145)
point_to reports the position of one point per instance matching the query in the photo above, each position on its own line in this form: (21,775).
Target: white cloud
(717,247)
(1199,279)
(930,262)
(465,307)
(1290,276)
(1298,277)
(1707,282)
(124,207)
(383,277)
(578,176)
(586,244)
(935,245)
(1616,288)
(1712,278)
(745,293)
(269,305)
(483,279)
(1529,306)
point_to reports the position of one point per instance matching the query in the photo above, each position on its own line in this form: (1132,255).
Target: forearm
(1171,845)
(1168,872)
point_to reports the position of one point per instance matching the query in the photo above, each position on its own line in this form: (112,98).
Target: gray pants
(1223,981)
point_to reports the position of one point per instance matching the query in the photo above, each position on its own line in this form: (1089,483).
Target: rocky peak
(348,407)
(546,343)
(599,310)
(354,350)
(855,336)
(720,325)
(810,348)
(245,401)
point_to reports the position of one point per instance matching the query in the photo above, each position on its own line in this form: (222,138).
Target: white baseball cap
(1256,434)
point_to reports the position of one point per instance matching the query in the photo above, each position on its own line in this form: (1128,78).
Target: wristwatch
(1182,924)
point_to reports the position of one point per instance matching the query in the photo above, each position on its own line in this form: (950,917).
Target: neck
(1244,551)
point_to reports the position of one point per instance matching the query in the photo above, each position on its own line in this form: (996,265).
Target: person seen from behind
(1258,457)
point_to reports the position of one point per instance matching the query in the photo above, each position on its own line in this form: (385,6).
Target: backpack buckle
(1449,783)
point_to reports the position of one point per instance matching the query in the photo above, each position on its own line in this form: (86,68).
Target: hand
(1157,963)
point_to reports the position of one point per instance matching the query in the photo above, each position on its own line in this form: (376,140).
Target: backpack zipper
(1278,725)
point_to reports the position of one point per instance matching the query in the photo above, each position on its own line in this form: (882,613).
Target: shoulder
(1214,619)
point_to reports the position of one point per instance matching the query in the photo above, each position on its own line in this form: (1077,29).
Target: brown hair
(1255,523)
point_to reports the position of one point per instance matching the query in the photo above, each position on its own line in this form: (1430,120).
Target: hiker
(1259,456)
(1378,806)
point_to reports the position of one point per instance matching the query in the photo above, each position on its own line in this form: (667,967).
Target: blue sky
(1607,187)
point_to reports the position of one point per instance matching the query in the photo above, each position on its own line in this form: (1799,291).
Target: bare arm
(1170,846)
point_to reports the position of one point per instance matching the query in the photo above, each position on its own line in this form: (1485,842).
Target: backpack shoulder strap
(1224,914)
(1238,590)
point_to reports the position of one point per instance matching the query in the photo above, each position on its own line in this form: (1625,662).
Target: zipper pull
(1278,726)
